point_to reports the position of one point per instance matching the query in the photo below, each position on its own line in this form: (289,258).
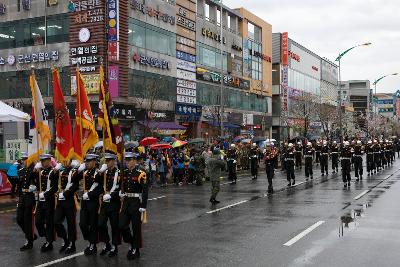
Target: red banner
(64,141)
(85,135)
(285,49)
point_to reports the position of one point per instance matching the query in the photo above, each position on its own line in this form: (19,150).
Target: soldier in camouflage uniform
(216,165)
(199,166)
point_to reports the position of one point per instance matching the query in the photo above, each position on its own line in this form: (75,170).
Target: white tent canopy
(10,114)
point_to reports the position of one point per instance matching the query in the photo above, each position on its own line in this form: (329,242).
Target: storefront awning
(164,127)
(226,125)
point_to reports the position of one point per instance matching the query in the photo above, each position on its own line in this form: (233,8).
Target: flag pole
(78,93)
(35,111)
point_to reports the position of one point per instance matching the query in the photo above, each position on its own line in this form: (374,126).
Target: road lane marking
(156,198)
(238,180)
(227,207)
(60,260)
(362,194)
(304,233)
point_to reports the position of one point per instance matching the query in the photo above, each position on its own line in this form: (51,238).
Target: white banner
(186,75)
(185,65)
(186,84)
(14,149)
(186,91)
(186,99)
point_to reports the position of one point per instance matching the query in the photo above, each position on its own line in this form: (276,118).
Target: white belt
(133,195)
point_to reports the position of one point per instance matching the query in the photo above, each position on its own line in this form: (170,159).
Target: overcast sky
(330,27)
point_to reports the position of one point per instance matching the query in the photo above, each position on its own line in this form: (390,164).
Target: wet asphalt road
(316,223)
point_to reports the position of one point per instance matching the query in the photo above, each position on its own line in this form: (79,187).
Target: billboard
(329,72)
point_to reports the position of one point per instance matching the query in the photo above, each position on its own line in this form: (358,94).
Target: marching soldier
(289,163)
(66,205)
(231,162)
(335,157)
(110,206)
(26,202)
(377,156)
(254,161)
(284,148)
(92,188)
(215,166)
(46,179)
(345,155)
(389,152)
(269,159)
(324,158)
(318,148)
(358,160)
(308,160)
(369,149)
(298,155)
(134,194)
(383,154)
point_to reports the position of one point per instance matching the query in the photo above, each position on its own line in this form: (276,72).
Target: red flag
(108,121)
(64,142)
(85,135)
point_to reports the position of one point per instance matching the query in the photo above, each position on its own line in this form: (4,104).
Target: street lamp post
(338,59)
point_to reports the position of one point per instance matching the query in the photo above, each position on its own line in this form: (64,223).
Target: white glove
(103,168)
(58,167)
(32,188)
(85,196)
(142,210)
(38,166)
(106,197)
(75,164)
(121,195)
(61,196)
(234,161)
(41,196)
(68,186)
(82,167)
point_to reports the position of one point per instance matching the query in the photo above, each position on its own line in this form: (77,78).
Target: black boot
(113,251)
(294,181)
(71,249)
(90,250)
(46,247)
(64,246)
(106,249)
(28,245)
(133,254)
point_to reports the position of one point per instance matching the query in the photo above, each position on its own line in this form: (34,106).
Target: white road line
(238,180)
(60,260)
(227,207)
(303,234)
(362,194)
(156,198)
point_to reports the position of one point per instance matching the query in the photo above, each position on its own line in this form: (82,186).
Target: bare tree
(304,109)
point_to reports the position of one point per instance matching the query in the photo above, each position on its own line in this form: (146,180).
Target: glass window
(207,11)
(57,30)
(152,38)
(229,21)
(250,29)
(218,17)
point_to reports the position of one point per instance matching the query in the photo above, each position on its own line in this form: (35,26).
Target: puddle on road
(349,221)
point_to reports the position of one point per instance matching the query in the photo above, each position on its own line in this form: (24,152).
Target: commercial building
(296,89)
(163,61)
(356,93)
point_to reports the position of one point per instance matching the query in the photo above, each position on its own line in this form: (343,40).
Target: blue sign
(185,56)
(188,109)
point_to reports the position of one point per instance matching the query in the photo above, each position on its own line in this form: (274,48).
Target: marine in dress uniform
(298,155)
(92,187)
(269,159)
(231,163)
(66,205)
(369,150)
(324,158)
(377,156)
(134,192)
(345,155)
(253,157)
(335,157)
(383,154)
(289,163)
(26,202)
(110,206)
(308,160)
(318,148)
(46,179)
(358,160)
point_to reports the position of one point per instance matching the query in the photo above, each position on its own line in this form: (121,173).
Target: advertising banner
(285,49)
(113,84)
